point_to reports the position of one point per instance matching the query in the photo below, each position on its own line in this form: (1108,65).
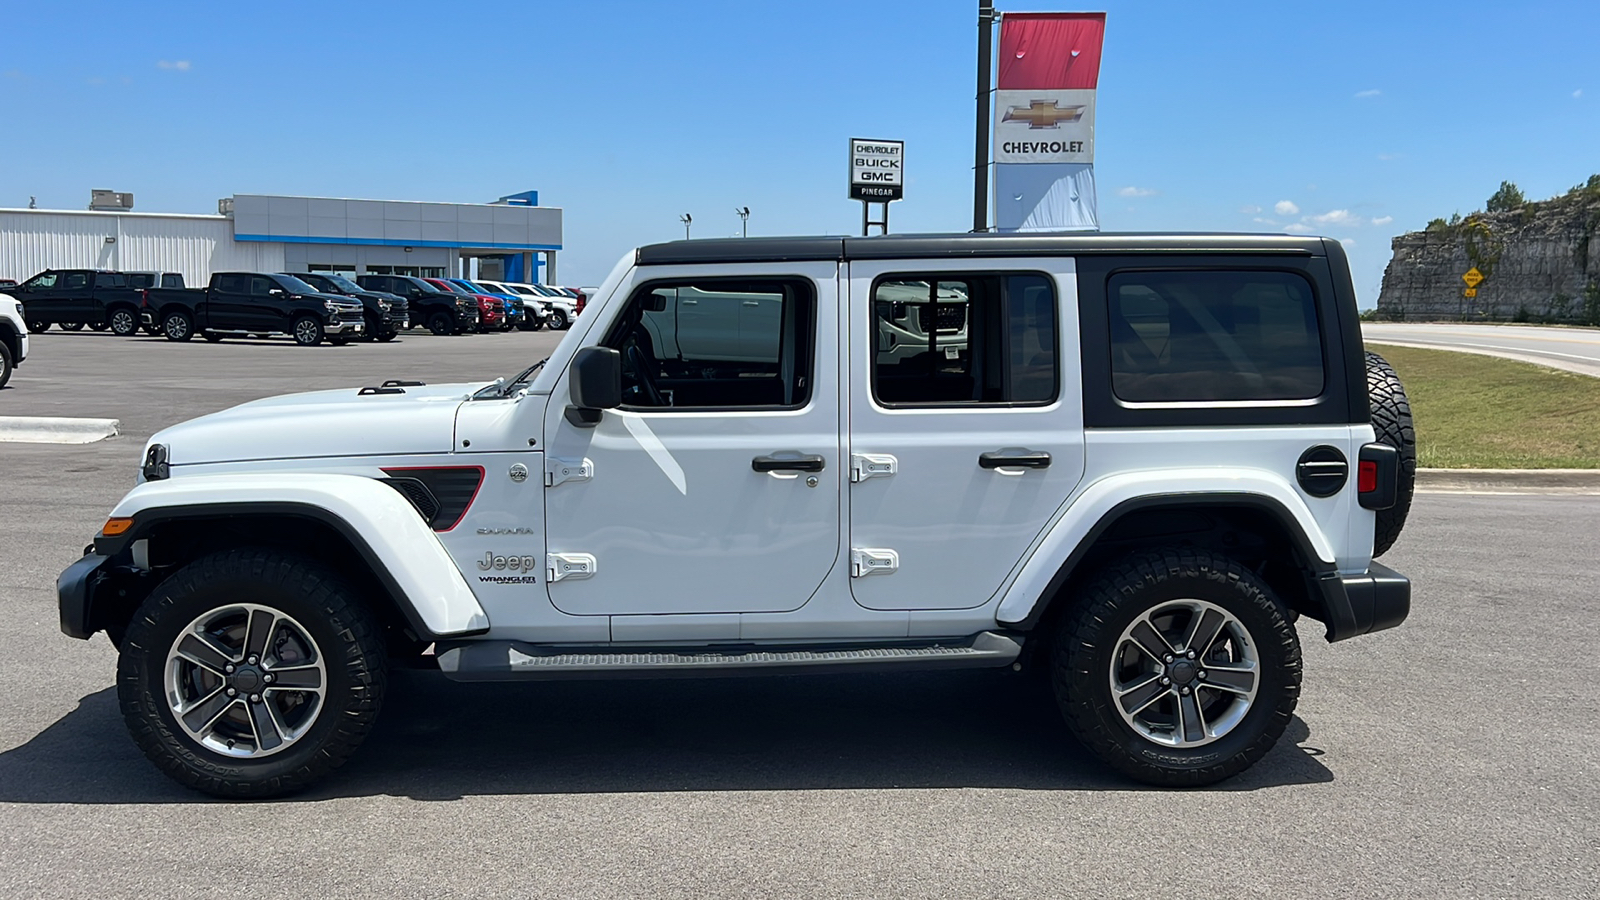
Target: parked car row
(309,307)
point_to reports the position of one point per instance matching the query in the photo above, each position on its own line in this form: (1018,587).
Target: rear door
(715,487)
(964,445)
(228,303)
(76,297)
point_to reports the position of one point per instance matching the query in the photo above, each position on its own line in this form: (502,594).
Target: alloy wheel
(1184,673)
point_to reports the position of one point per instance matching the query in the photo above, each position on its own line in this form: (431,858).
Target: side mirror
(595,384)
(276,292)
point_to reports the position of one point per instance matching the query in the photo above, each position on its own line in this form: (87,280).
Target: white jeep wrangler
(1129,461)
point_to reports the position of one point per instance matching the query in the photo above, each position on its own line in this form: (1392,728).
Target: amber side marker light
(114,527)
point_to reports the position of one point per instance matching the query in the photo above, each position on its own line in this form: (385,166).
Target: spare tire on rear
(1391,419)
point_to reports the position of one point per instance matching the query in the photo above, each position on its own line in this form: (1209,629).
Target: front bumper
(75,593)
(1361,604)
(345,326)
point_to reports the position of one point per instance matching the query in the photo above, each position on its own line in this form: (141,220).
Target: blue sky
(1356,120)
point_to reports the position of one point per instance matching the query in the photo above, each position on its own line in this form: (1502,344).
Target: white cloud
(1265,221)
(1286,208)
(1131,191)
(1370,92)
(1577,94)
(1383,220)
(1250,209)
(173,65)
(1348,242)
(1336,217)
(1297,228)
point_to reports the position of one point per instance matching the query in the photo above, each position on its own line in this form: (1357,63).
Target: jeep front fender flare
(1103,502)
(384,528)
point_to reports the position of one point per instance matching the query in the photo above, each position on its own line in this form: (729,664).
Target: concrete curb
(56,429)
(1510,481)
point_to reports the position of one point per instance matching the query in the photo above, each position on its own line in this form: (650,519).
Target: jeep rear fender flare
(384,528)
(1103,502)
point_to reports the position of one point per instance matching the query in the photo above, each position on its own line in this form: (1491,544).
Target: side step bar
(519,661)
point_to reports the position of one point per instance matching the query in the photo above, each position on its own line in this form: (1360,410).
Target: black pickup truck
(441,311)
(386,314)
(73,298)
(254,303)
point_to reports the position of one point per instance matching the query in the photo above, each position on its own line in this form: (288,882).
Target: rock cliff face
(1540,261)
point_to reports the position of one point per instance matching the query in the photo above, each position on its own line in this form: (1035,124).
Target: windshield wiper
(502,388)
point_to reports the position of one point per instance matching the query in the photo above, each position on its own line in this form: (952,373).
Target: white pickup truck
(1130,462)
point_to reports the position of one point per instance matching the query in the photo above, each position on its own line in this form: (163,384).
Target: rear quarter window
(1213,336)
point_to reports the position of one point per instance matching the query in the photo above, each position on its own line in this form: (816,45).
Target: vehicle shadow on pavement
(438,740)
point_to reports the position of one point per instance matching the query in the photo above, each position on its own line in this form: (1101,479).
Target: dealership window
(717,344)
(330,268)
(947,339)
(1196,336)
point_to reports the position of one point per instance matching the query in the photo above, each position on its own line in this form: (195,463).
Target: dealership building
(512,239)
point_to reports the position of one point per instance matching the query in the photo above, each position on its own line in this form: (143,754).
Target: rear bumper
(75,593)
(1361,604)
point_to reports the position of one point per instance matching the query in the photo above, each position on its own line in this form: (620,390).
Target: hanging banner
(1044,115)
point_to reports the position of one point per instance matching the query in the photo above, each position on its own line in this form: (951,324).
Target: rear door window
(1200,336)
(75,281)
(232,284)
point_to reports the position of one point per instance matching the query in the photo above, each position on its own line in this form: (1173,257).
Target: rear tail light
(578,307)
(1378,476)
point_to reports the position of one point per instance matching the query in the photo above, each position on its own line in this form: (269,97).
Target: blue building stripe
(384,242)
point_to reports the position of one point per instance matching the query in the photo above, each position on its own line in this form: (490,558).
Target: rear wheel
(97,326)
(388,336)
(71,326)
(213,337)
(1391,420)
(1177,667)
(177,326)
(307,331)
(250,673)
(152,330)
(123,322)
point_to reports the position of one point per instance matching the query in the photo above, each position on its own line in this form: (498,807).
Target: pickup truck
(254,303)
(73,298)
(386,314)
(444,312)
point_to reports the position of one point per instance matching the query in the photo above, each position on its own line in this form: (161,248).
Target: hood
(322,424)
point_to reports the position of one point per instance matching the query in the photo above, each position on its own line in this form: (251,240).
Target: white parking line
(56,429)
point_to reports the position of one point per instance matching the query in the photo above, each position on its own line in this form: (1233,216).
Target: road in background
(1572,349)
(1455,756)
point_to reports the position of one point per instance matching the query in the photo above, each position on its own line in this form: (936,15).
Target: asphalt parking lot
(1456,756)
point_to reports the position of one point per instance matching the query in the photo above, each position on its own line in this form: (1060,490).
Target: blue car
(513,304)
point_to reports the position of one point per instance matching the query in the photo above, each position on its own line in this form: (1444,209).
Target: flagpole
(980,162)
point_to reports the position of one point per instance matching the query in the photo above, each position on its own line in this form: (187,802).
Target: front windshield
(295,285)
(453,288)
(343,282)
(476,289)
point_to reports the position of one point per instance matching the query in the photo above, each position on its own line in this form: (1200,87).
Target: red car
(491,310)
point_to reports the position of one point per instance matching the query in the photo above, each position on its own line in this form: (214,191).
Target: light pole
(686,219)
(743,212)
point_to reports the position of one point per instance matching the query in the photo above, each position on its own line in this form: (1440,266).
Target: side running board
(519,661)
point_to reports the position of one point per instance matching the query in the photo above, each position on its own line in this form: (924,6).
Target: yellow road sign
(1470,292)
(1473,278)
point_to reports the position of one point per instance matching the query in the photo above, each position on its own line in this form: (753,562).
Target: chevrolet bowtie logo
(1043,114)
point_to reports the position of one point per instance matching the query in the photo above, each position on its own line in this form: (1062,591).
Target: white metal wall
(34,240)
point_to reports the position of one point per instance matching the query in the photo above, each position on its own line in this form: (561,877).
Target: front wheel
(1177,667)
(307,331)
(559,320)
(97,326)
(250,673)
(6,364)
(38,326)
(213,337)
(387,336)
(177,326)
(441,324)
(72,326)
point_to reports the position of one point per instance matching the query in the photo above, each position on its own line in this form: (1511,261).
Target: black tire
(387,336)
(213,337)
(38,327)
(441,323)
(338,341)
(307,331)
(97,326)
(7,364)
(559,320)
(344,639)
(1091,642)
(1391,419)
(152,330)
(124,322)
(72,326)
(177,326)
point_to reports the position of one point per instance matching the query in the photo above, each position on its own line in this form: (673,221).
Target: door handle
(1014,459)
(809,463)
(752,303)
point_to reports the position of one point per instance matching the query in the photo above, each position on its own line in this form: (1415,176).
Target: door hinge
(560,471)
(866,561)
(561,566)
(871,465)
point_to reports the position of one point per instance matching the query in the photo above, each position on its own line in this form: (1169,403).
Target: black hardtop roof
(936,246)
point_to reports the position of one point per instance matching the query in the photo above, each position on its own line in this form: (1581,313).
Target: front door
(715,487)
(966,424)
